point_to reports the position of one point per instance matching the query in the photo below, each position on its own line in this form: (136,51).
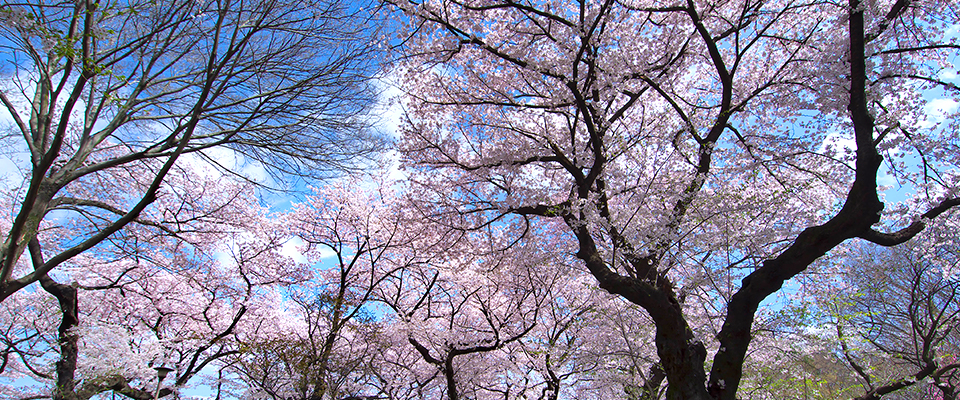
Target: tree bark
(66,296)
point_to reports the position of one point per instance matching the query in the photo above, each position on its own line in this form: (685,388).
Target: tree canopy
(650,199)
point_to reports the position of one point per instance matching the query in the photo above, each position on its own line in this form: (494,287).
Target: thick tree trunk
(66,296)
(448,374)
(681,353)
(67,364)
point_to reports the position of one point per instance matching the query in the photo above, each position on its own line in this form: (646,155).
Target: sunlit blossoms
(623,199)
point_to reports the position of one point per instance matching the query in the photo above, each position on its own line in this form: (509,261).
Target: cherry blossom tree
(698,150)
(106,97)
(892,316)
(186,299)
(460,320)
(352,236)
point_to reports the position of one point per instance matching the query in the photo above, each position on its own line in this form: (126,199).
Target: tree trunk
(66,295)
(67,364)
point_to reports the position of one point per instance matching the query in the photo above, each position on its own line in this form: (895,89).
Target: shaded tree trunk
(66,296)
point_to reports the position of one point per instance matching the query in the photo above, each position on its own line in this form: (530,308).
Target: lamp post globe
(162,372)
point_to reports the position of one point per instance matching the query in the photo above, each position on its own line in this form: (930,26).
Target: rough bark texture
(67,364)
(66,295)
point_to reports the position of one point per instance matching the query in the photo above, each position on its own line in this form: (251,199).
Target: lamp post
(162,372)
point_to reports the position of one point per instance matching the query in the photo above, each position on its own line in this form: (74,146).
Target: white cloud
(952,32)
(14,155)
(12,164)
(948,74)
(292,249)
(937,110)
(392,159)
(213,161)
(389,109)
